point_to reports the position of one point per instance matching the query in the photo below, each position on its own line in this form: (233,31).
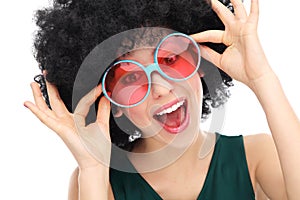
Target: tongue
(173,119)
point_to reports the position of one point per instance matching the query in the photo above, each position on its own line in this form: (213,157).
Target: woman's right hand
(69,126)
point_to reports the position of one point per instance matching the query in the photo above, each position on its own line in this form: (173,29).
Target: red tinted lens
(177,57)
(126,83)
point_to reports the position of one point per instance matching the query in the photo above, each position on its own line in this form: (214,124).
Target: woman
(168,113)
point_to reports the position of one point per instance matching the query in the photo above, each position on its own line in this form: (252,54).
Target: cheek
(196,85)
(196,91)
(137,115)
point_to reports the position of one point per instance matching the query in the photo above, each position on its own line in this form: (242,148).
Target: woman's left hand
(243,59)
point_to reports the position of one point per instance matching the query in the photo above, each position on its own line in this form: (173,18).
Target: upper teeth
(172,108)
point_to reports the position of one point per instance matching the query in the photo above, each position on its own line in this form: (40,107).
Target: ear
(117,112)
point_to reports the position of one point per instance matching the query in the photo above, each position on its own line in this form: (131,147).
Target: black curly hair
(70,29)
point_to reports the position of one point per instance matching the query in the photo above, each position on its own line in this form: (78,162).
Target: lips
(173,116)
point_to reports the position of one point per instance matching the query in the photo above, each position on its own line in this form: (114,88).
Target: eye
(131,78)
(171,59)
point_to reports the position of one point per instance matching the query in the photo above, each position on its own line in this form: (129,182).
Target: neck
(160,157)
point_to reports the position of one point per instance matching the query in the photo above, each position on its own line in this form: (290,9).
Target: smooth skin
(273,161)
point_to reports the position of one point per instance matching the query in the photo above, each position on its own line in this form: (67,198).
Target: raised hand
(243,59)
(70,126)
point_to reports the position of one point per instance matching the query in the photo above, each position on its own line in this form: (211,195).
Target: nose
(160,86)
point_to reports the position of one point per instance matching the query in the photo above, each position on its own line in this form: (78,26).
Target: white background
(36,165)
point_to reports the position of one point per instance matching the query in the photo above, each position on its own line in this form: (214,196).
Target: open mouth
(173,116)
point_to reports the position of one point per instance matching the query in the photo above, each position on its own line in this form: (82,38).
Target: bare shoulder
(265,165)
(257,148)
(259,145)
(258,139)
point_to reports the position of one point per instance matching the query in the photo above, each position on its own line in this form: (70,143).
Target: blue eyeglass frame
(151,68)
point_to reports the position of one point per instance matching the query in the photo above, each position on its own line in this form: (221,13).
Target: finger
(224,13)
(211,55)
(56,102)
(84,104)
(214,36)
(254,11)
(239,9)
(38,98)
(103,112)
(42,116)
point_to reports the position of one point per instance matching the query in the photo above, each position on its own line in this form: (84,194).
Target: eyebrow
(133,51)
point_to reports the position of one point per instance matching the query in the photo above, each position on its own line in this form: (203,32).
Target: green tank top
(227,177)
